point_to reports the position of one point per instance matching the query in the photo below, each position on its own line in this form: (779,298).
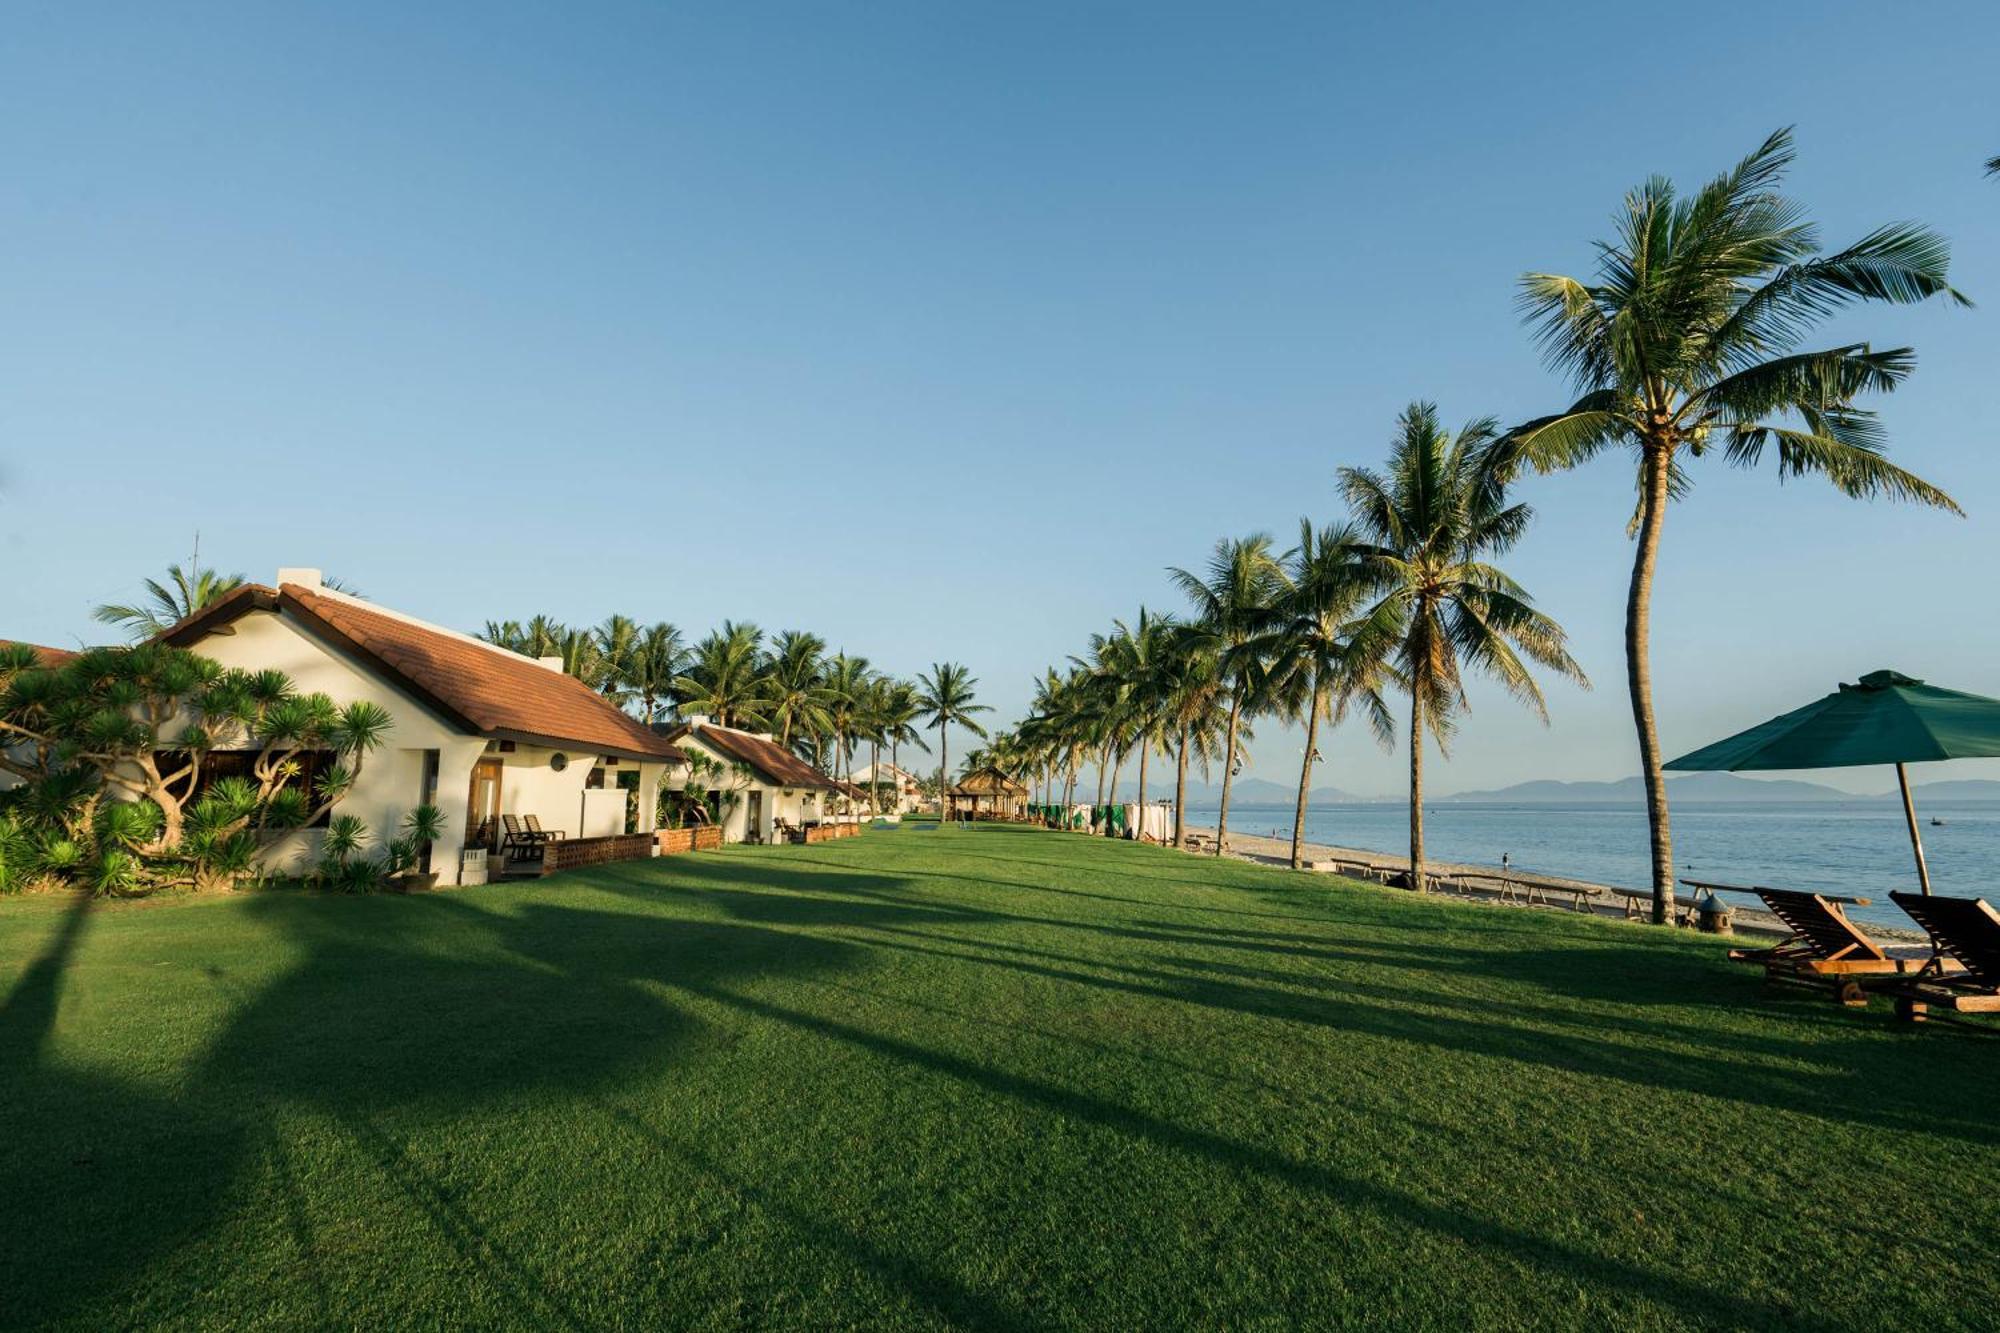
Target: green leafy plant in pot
(421,827)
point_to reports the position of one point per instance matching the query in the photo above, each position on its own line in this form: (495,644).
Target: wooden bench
(1638,906)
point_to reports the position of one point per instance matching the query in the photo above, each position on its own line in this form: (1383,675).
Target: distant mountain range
(1714,787)
(1717,787)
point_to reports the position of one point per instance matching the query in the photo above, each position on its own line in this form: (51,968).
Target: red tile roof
(771,761)
(48,657)
(475,686)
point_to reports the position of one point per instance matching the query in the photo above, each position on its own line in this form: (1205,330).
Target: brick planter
(569,853)
(672,840)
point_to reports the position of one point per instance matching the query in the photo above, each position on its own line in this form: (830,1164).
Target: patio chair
(546,835)
(1825,950)
(1966,932)
(519,844)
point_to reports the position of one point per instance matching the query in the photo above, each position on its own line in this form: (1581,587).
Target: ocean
(1860,847)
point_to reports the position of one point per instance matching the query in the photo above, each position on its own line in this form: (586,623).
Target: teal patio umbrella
(1884,718)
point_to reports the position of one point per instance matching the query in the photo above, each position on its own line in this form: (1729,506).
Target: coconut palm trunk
(1138,834)
(1639,676)
(1305,772)
(1117,762)
(1180,792)
(1417,790)
(1228,772)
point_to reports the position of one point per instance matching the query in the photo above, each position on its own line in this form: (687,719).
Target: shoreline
(1278,851)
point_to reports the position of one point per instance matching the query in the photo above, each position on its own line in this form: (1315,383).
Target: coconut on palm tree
(184,592)
(1232,601)
(945,697)
(1691,341)
(1435,518)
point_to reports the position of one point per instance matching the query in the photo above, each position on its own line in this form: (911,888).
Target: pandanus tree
(1435,518)
(1328,649)
(184,592)
(1232,601)
(946,698)
(1691,341)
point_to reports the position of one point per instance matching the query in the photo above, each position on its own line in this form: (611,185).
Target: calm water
(1859,848)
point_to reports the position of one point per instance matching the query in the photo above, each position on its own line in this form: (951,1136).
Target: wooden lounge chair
(1825,950)
(1966,932)
(520,844)
(546,835)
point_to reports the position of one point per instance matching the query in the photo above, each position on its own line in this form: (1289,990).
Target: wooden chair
(535,828)
(519,844)
(1825,950)
(1966,932)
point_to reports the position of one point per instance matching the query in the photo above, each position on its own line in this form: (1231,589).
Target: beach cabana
(987,793)
(1883,718)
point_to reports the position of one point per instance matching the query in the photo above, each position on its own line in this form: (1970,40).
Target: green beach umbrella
(1884,718)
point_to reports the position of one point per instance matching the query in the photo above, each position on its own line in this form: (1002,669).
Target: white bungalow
(763,788)
(907,796)
(478,731)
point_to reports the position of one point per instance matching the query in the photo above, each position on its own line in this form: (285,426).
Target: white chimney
(552,663)
(303,578)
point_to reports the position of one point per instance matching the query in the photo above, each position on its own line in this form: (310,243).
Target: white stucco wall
(390,782)
(775,804)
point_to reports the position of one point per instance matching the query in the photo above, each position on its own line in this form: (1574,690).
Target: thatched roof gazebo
(987,793)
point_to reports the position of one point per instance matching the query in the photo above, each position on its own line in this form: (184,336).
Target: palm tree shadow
(365,1026)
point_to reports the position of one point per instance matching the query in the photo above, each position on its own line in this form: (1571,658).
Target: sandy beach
(1601,900)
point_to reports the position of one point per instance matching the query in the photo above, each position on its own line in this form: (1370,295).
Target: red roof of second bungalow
(772,760)
(477,686)
(48,657)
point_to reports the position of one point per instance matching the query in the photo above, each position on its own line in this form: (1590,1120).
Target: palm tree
(1325,656)
(944,697)
(724,678)
(656,659)
(897,718)
(1435,516)
(1689,341)
(580,657)
(796,675)
(615,642)
(1194,692)
(1148,664)
(185,591)
(847,684)
(1232,602)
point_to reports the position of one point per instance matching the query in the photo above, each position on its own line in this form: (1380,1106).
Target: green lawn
(989,1079)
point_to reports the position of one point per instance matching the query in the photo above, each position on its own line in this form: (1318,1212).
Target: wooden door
(483,805)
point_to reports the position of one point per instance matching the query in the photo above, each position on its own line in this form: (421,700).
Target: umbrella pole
(1916,840)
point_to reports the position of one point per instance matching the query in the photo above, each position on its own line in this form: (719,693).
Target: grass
(989,1079)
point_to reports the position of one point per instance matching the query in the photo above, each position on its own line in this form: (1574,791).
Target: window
(222,764)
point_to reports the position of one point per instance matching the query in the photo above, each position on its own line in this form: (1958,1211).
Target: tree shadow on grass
(425,1006)
(1866,1080)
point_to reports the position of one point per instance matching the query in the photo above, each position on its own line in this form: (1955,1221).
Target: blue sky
(942,331)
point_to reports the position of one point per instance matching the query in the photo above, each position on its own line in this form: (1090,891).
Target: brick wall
(569,853)
(702,839)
